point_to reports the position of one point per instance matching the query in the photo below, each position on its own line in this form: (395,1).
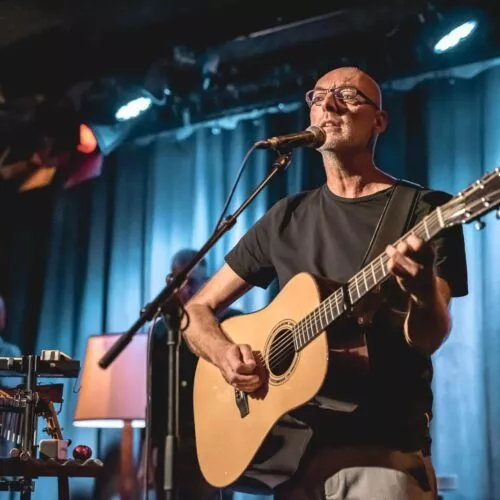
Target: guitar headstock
(478,199)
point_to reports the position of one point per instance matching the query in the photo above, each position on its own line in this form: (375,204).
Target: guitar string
(282,348)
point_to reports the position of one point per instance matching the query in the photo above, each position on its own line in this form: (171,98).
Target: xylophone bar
(12,410)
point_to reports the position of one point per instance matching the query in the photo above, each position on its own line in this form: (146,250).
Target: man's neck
(354,176)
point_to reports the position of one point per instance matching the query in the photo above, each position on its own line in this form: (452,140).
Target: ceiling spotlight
(133,108)
(455,36)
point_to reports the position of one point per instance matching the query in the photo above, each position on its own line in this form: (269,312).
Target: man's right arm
(205,337)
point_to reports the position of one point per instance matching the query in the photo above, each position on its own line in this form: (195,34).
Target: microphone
(313,137)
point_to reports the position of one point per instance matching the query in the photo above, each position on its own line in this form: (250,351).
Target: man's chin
(333,146)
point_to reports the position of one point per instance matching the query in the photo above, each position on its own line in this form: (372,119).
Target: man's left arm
(428,320)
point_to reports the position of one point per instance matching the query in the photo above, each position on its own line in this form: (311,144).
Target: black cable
(233,189)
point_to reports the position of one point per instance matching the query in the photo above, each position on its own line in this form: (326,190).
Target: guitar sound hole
(281,353)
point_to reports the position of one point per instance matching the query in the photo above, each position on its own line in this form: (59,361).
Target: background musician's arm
(205,337)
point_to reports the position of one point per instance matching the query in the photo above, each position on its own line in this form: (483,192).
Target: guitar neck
(359,285)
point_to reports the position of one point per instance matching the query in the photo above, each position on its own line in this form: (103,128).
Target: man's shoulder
(430,198)
(426,193)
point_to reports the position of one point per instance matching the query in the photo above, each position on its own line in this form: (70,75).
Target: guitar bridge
(241,399)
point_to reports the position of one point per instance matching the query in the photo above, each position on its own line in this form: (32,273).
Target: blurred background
(123,126)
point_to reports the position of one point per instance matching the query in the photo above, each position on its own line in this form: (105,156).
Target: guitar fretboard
(359,285)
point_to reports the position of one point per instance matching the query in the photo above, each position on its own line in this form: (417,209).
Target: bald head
(341,77)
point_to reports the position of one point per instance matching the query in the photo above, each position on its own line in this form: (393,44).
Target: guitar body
(228,434)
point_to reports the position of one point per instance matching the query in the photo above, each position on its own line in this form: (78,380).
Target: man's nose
(331,103)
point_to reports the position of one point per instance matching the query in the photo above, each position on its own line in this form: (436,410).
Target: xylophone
(20,408)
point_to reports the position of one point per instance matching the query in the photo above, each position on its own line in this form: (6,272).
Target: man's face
(349,125)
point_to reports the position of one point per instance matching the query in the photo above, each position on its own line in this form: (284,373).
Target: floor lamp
(115,398)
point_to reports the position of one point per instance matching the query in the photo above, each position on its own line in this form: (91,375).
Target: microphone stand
(167,305)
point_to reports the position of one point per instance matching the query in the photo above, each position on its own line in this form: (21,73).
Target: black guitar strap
(395,219)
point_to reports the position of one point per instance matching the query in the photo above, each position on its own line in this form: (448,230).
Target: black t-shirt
(327,235)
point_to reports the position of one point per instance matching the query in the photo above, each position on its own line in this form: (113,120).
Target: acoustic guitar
(290,342)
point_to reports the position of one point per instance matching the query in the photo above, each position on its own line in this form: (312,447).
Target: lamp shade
(110,396)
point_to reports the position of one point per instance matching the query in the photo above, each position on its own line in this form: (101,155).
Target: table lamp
(115,397)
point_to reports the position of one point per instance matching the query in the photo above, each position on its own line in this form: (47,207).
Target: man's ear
(381,121)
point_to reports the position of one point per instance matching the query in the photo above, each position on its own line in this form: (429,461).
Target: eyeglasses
(350,95)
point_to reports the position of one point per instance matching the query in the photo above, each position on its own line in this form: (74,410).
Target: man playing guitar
(382,449)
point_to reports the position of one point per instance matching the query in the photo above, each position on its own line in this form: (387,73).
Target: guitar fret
(382,264)
(365,282)
(323,320)
(434,225)
(426,228)
(440,217)
(373,273)
(357,288)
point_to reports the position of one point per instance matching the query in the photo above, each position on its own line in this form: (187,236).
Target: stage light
(88,142)
(109,137)
(455,36)
(133,108)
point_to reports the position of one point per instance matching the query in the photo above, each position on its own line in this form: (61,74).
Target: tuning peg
(479,224)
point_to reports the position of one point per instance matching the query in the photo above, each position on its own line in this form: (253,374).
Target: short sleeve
(450,260)
(251,257)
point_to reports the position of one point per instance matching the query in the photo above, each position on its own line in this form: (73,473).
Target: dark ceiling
(260,50)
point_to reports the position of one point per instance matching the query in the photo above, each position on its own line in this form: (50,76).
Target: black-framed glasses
(350,95)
